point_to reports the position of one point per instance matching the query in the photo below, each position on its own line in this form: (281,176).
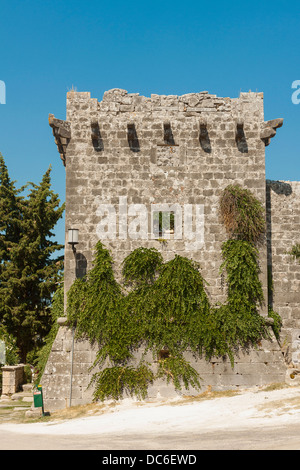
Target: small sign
(2,353)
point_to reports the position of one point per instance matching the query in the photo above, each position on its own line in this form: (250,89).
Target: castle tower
(127,159)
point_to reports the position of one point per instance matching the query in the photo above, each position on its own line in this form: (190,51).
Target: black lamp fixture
(73,237)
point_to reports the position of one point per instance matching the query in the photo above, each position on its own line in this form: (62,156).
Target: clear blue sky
(163,47)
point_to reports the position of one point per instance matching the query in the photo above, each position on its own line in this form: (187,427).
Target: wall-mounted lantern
(73,237)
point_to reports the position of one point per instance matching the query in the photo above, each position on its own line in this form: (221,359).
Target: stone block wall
(163,149)
(12,379)
(65,364)
(283,215)
(252,368)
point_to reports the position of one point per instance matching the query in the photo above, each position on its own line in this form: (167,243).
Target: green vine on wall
(242,215)
(167,311)
(295,251)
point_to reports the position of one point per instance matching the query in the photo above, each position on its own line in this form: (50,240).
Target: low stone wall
(283,215)
(12,379)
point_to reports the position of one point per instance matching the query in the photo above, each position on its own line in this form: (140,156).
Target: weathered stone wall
(163,149)
(68,359)
(255,367)
(283,215)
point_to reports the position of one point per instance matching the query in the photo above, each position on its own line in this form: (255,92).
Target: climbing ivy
(242,321)
(242,214)
(174,307)
(57,310)
(277,322)
(295,251)
(177,370)
(113,382)
(164,308)
(240,261)
(141,266)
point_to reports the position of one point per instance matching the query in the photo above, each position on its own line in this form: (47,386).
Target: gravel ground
(252,419)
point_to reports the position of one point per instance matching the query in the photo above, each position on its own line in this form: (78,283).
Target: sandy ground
(249,409)
(132,425)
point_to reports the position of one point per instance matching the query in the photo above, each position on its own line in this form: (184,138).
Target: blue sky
(170,47)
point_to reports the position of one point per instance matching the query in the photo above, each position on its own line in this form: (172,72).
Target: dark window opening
(96,137)
(168,134)
(163,354)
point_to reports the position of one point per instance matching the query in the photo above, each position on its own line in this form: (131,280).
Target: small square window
(163,223)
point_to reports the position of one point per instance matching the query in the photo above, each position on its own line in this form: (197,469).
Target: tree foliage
(29,271)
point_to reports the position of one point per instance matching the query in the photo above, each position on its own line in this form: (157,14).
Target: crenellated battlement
(125,119)
(191,104)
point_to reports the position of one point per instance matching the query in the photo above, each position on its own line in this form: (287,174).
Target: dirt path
(264,438)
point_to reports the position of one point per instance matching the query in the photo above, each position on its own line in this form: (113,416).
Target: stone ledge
(62,321)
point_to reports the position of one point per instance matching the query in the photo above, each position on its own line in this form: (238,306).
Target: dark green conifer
(29,270)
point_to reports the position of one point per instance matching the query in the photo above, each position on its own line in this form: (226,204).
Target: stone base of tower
(256,367)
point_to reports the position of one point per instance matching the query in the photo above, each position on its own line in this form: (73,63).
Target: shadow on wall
(97,140)
(81,265)
(204,138)
(240,139)
(280,187)
(132,138)
(285,189)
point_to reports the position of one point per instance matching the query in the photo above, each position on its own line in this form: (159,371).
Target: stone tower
(130,157)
